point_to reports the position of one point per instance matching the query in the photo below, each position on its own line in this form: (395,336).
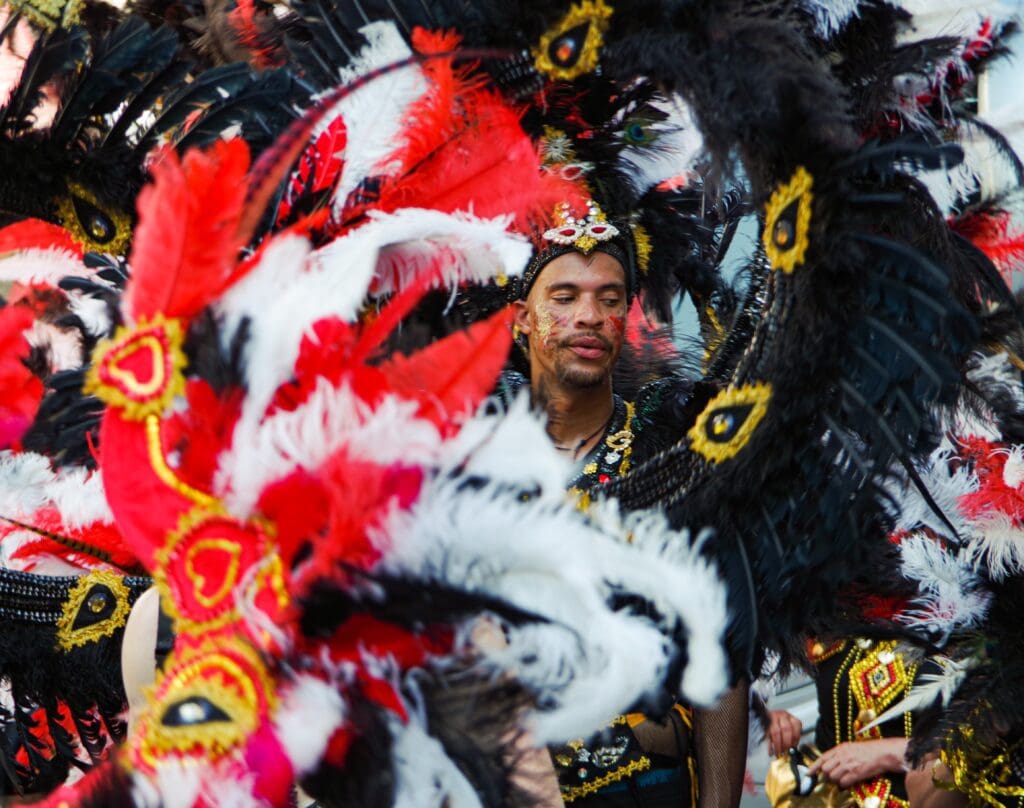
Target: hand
(784,731)
(854,762)
(925,786)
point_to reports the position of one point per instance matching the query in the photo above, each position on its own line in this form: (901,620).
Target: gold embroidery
(96,228)
(574,793)
(985,777)
(877,680)
(817,652)
(50,14)
(786,229)
(122,389)
(164,472)
(573,46)
(215,544)
(68,636)
(642,240)
(230,677)
(729,420)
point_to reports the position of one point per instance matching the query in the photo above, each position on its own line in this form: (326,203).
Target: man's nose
(588,312)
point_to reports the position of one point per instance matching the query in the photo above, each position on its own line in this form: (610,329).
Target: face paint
(577,320)
(545,322)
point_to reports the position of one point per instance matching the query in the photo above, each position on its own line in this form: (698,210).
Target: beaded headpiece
(583,234)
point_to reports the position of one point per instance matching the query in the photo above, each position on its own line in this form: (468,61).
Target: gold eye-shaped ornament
(573,46)
(95,227)
(210,701)
(97,606)
(729,420)
(788,222)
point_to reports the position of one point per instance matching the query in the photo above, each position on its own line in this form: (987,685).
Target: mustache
(568,342)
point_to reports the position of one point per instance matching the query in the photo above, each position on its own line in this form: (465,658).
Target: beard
(581,377)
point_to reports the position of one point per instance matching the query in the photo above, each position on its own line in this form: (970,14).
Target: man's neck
(576,416)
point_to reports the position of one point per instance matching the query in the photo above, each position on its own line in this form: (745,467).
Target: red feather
(990,232)
(993,496)
(200,433)
(319,167)
(186,245)
(20,391)
(452,376)
(243,19)
(37,234)
(464,149)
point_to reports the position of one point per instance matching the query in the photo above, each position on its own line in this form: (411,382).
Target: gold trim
(67,636)
(757,396)
(134,400)
(594,12)
(817,653)
(633,767)
(234,552)
(895,669)
(188,522)
(644,247)
(210,672)
(122,223)
(979,776)
(787,257)
(154,444)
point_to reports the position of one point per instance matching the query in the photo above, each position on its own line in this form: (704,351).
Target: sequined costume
(857,681)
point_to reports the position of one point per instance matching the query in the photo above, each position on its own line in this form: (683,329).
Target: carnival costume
(301,589)
(328,520)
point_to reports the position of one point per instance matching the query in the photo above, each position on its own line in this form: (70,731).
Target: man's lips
(588,347)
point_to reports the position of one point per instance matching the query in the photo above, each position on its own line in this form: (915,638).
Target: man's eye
(562,299)
(611,301)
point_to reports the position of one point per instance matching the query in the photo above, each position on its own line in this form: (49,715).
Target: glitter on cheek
(545,322)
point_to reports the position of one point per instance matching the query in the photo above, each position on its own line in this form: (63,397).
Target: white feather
(930,687)
(40,266)
(950,17)
(999,543)
(952,595)
(61,346)
(332,418)
(375,114)
(309,714)
(511,448)
(93,312)
(946,482)
(591,662)
(291,289)
(27,483)
(477,250)
(425,777)
(996,370)
(831,16)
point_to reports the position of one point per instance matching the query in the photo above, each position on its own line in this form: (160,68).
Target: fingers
(783,732)
(793,731)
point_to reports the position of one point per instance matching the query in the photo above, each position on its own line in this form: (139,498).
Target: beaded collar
(610,458)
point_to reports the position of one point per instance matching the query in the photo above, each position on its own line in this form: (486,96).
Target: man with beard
(574,299)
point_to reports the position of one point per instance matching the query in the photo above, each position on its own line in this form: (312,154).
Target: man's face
(574,319)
